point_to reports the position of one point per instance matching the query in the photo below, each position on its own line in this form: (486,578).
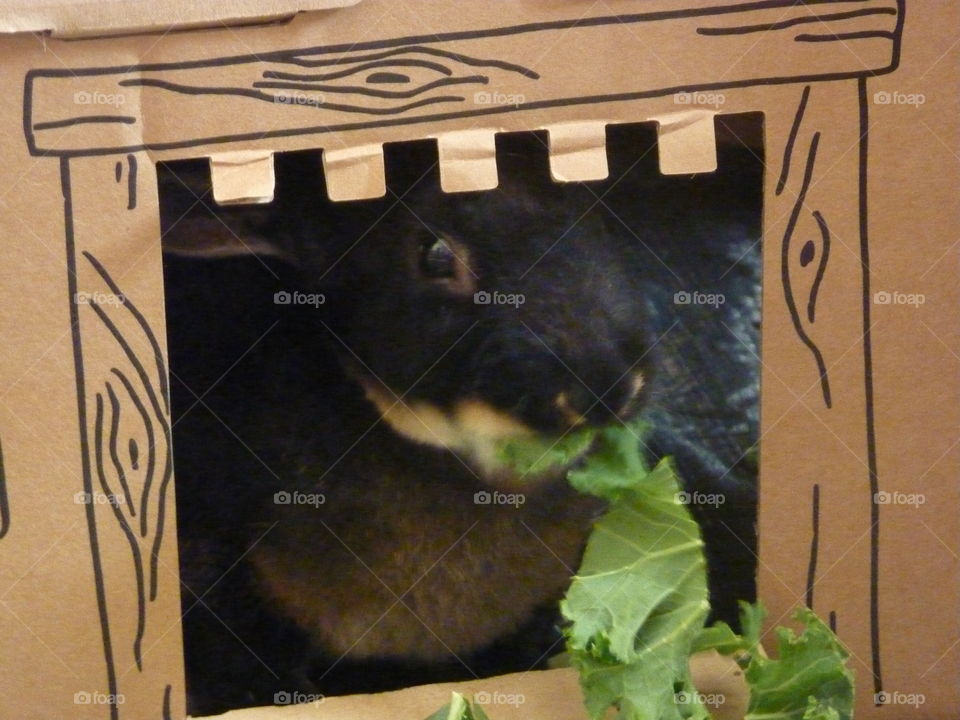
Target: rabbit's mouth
(472,428)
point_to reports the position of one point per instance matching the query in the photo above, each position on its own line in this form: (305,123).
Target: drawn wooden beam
(348,86)
(818,450)
(125,432)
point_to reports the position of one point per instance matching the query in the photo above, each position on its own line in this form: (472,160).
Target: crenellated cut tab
(242,178)
(578,151)
(687,142)
(468,160)
(355,173)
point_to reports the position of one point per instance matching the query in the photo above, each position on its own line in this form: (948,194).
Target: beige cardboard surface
(78,18)
(861,392)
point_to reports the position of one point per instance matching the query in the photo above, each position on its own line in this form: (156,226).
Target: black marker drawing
(814,547)
(841,37)
(811,253)
(787,262)
(803,20)
(4,502)
(870,417)
(54,124)
(151,401)
(123,404)
(792,139)
(116,505)
(131,182)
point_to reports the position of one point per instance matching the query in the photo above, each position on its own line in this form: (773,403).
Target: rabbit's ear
(193,225)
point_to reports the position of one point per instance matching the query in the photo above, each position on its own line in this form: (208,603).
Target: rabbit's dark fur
(387,400)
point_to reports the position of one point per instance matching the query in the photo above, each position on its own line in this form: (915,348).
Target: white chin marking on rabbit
(472,428)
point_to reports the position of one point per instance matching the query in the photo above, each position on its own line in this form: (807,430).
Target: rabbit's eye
(437,260)
(445,264)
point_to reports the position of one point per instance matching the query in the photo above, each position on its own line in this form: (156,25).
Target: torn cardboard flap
(687,142)
(578,151)
(242,177)
(84,18)
(468,160)
(355,173)
(553,694)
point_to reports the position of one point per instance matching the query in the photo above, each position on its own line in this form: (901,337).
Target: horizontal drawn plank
(476,73)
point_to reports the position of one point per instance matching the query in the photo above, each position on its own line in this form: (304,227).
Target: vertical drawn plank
(122,387)
(817,379)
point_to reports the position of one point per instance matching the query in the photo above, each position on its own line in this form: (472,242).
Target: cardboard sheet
(861,309)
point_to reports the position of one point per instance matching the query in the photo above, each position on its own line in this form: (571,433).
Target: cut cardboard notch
(89,18)
(468,160)
(688,142)
(578,151)
(243,177)
(355,173)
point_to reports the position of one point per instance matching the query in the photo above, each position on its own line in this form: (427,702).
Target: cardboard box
(860,452)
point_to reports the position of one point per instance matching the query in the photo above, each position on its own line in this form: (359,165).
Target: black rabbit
(341,383)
